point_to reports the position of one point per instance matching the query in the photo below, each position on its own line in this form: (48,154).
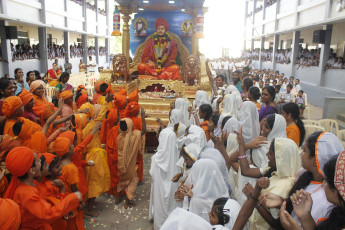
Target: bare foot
(92,213)
(118,199)
(129,204)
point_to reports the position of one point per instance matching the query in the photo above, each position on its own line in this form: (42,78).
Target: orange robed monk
(36,213)
(158,58)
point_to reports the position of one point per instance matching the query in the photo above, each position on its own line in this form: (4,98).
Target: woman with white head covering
(238,99)
(176,116)
(163,168)
(201,98)
(183,105)
(231,125)
(277,126)
(273,127)
(189,155)
(207,184)
(181,219)
(218,131)
(249,120)
(283,167)
(318,149)
(214,154)
(180,132)
(230,89)
(196,135)
(231,148)
(229,107)
(224,213)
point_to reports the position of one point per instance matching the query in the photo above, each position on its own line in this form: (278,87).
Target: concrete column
(254,3)
(107,47)
(262,47)
(107,10)
(84,15)
(43,11)
(245,26)
(97,50)
(252,44)
(5,49)
(296,13)
(96,6)
(295,46)
(84,45)
(42,38)
(3,4)
(275,49)
(264,10)
(66,43)
(66,18)
(325,52)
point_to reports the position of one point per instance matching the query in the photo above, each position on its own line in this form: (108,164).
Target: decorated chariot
(167,61)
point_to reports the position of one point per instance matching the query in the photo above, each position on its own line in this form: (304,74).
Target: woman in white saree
(163,168)
(207,184)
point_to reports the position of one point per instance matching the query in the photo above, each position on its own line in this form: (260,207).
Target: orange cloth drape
(204,126)
(129,143)
(9,214)
(36,213)
(293,133)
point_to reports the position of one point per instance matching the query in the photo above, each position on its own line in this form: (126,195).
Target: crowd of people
(91,7)
(24,52)
(229,161)
(260,7)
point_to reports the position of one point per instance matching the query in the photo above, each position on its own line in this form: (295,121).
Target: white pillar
(262,47)
(84,45)
(275,49)
(43,51)
(5,49)
(294,53)
(97,50)
(66,43)
(325,52)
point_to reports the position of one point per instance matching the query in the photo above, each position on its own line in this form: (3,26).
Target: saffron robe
(36,213)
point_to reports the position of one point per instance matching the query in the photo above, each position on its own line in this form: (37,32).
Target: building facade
(292,28)
(67,24)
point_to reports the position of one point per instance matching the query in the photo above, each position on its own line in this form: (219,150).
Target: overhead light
(183,10)
(171,2)
(145,1)
(141,9)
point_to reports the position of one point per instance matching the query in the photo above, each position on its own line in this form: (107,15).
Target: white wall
(27,65)
(31,9)
(284,68)
(56,34)
(267,65)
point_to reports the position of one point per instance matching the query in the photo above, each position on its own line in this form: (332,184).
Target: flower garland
(161,49)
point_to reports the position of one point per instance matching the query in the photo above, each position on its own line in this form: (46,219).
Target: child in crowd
(300,101)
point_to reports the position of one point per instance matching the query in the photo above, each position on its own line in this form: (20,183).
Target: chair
(305,100)
(311,122)
(341,136)
(307,112)
(330,125)
(309,129)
